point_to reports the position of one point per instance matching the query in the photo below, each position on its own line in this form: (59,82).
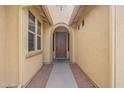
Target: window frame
(39,35)
(36,34)
(30,31)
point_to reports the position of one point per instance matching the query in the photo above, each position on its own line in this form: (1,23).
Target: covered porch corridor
(61,46)
(60,74)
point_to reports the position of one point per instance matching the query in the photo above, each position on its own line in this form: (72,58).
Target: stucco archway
(70,39)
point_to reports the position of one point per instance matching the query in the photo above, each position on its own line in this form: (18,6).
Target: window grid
(31,32)
(38,35)
(34,33)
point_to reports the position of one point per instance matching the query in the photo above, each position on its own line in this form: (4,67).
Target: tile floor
(60,74)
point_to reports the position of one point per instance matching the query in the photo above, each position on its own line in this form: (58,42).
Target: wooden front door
(60,45)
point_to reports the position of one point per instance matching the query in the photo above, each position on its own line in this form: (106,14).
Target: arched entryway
(61,43)
(63,31)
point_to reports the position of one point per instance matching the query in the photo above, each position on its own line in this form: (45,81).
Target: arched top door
(61,43)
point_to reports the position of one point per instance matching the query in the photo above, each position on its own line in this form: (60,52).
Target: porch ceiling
(60,13)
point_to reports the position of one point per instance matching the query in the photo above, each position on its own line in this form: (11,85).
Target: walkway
(41,78)
(61,76)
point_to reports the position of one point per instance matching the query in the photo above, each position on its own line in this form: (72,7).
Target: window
(31,32)
(31,41)
(34,33)
(38,35)
(31,22)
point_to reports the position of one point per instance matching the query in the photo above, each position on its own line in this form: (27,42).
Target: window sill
(34,53)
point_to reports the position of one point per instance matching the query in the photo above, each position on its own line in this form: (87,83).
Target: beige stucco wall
(2,46)
(73,44)
(119,56)
(32,64)
(93,46)
(12,45)
(47,44)
(9,46)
